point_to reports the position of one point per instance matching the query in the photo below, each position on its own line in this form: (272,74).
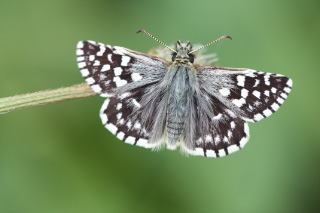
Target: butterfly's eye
(174,55)
(191,58)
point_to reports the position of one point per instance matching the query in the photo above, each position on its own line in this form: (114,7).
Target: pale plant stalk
(80,90)
(44,97)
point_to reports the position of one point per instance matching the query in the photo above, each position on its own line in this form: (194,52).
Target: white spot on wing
(221,152)
(267,112)
(81,65)
(232,124)
(90,80)
(233,148)
(244,93)
(246,129)
(136,76)
(256,83)
(280,100)
(217,117)
(239,102)
(80,52)
(211,153)
(135,102)
(130,140)
(112,128)
(287,89)
(96,88)
(118,50)
(208,138)
(117,71)
(217,139)
(80,45)
(119,82)
(273,90)
(119,106)
(243,141)
(129,124)
(104,107)
(225,139)
(81,58)
(198,151)
(137,125)
(91,58)
(266,79)
(224,91)
(275,106)
(119,115)
(96,63)
(84,72)
(104,118)
(102,50)
(125,60)
(267,93)
(289,83)
(258,117)
(120,135)
(121,121)
(241,79)
(284,95)
(143,142)
(105,67)
(110,57)
(256,93)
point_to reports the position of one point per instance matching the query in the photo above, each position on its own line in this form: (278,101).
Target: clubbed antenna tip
(141,31)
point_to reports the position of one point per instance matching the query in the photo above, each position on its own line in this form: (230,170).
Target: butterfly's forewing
(110,70)
(253,94)
(124,76)
(235,96)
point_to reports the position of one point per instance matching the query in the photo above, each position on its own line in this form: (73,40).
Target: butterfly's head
(182,52)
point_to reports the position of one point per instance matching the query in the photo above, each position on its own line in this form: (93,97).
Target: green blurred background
(59,158)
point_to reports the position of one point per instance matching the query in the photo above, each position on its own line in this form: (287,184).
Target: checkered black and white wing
(111,70)
(250,94)
(117,115)
(235,96)
(124,76)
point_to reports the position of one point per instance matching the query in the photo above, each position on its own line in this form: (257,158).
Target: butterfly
(153,103)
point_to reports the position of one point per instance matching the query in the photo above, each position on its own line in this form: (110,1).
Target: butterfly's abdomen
(177,105)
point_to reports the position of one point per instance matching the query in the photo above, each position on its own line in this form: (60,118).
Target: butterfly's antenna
(222,37)
(144,31)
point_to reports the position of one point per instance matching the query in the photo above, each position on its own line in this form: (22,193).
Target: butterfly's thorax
(179,92)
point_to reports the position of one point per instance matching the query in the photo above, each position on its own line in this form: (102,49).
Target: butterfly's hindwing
(213,130)
(111,69)
(117,116)
(226,135)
